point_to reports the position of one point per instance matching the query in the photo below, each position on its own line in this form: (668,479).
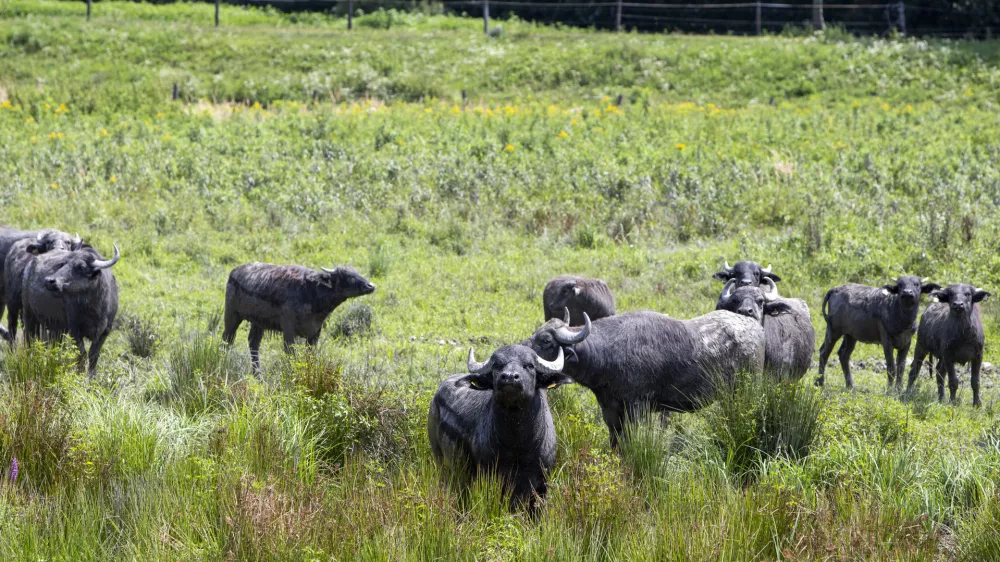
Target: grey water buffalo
(788,331)
(290,299)
(71,292)
(952,331)
(580,295)
(646,359)
(886,315)
(20,254)
(497,419)
(8,237)
(746,273)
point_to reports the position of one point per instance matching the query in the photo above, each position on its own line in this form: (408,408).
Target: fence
(753,17)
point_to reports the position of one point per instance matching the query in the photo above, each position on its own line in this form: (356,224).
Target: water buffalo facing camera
(886,315)
(788,331)
(579,295)
(746,274)
(952,331)
(646,359)
(290,299)
(21,253)
(497,419)
(71,292)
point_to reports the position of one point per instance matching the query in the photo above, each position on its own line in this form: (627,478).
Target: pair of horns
(770,293)
(548,367)
(566,336)
(104,264)
(729,269)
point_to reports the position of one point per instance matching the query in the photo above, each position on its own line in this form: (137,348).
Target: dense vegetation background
(643,159)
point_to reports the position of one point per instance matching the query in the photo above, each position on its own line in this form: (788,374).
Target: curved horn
(328,270)
(924,280)
(104,264)
(477,367)
(550,367)
(566,315)
(41,235)
(772,290)
(566,336)
(726,267)
(76,239)
(767,269)
(727,291)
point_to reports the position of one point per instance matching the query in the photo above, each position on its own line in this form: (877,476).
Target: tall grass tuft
(142,335)
(201,374)
(38,363)
(356,322)
(36,429)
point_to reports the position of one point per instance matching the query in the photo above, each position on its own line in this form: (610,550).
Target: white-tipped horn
(924,280)
(566,315)
(767,269)
(104,264)
(726,267)
(566,336)
(41,234)
(477,367)
(328,270)
(727,291)
(550,367)
(772,289)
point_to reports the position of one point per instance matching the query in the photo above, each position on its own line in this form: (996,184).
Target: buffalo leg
(314,339)
(824,353)
(232,323)
(918,359)
(940,380)
(952,379)
(81,346)
(977,362)
(288,333)
(256,334)
(613,413)
(12,314)
(95,354)
(845,351)
(901,364)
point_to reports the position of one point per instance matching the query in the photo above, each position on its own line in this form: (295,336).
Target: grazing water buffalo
(290,299)
(71,292)
(20,254)
(580,295)
(645,358)
(497,419)
(746,274)
(952,330)
(886,315)
(8,237)
(788,331)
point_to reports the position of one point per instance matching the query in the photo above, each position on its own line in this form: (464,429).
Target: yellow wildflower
(6,104)
(428,110)
(104,132)
(62,108)
(885,107)
(112,179)
(680,146)
(160,115)
(908,109)
(54,185)
(968,91)
(572,122)
(563,134)
(455,109)
(255,106)
(509,148)
(29,120)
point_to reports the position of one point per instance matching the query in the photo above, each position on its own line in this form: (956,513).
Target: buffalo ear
(777,308)
(772,277)
(892,288)
(928,287)
(551,380)
(722,276)
(940,295)
(35,249)
(476,381)
(980,295)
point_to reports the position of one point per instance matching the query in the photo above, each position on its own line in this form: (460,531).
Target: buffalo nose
(746,311)
(745,282)
(370,287)
(510,377)
(50,284)
(958,306)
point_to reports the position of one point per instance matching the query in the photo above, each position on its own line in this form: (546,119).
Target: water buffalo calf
(644,358)
(21,253)
(579,295)
(788,331)
(497,419)
(952,331)
(886,315)
(71,292)
(290,299)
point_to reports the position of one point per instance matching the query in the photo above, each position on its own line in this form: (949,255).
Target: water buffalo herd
(496,418)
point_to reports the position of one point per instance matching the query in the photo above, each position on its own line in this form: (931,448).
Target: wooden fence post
(618,17)
(818,23)
(350,15)
(486,16)
(216,13)
(757,19)
(88,9)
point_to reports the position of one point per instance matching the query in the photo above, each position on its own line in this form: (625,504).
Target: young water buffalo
(20,255)
(497,419)
(788,331)
(886,315)
(580,295)
(290,299)
(952,331)
(746,274)
(75,293)
(645,358)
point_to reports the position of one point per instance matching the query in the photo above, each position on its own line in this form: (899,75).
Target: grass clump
(358,321)
(142,335)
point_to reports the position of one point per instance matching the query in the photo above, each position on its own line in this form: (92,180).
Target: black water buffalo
(648,359)
(71,292)
(788,331)
(952,331)
(886,315)
(579,295)
(290,299)
(497,419)
(8,237)
(18,257)
(746,274)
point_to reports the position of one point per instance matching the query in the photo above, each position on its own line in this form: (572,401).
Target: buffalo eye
(529,366)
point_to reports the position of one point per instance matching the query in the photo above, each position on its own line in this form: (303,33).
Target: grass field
(294,141)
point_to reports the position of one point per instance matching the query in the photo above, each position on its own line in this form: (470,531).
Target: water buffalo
(886,315)
(579,295)
(645,358)
(788,331)
(952,331)
(71,292)
(497,419)
(290,299)
(8,237)
(746,274)
(18,257)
